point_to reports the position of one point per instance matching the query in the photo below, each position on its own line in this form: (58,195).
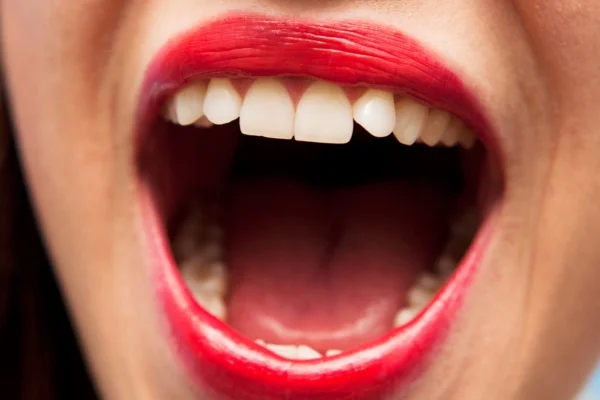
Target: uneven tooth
(307,353)
(222,103)
(467,139)
(375,111)
(405,315)
(323,115)
(454,129)
(268,110)
(436,125)
(410,119)
(186,106)
(445,265)
(284,351)
(332,353)
(203,123)
(419,297)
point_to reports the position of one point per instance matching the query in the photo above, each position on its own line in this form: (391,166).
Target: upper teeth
(222,103)
(323,114)
(271,95)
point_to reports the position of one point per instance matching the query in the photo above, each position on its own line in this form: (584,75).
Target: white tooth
(307,353)
(268,110)
(203,122)
(323,115)
(410,119)
(260,342)
(284,351)
(185,107)
(419,297)
(445,265)
(333,353)
(375,111)
(222,103)
(467,139)
(405,315)
(437,122)
(429,282)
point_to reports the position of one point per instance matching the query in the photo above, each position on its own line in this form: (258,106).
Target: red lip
(223,364)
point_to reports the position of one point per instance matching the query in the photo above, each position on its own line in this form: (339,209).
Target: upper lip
(349,53)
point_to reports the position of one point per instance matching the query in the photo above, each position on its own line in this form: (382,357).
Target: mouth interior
(328,246)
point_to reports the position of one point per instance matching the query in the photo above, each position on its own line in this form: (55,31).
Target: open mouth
(309,222)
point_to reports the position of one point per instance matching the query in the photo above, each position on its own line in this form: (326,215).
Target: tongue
(327,268)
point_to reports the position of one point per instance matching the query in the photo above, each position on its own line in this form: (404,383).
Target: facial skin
(530,328)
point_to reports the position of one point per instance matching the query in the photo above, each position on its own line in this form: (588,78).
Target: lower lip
(224,364)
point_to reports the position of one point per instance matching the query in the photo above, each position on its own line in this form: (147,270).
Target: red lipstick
(222,363)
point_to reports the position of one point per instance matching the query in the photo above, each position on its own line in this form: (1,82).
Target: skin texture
(529,330)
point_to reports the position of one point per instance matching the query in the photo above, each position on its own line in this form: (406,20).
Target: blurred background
(592,392)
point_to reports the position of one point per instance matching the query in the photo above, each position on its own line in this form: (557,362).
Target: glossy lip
(222,363)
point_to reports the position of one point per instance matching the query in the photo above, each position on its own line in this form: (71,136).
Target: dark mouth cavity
(321,243)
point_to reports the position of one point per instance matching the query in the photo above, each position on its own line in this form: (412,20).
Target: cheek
(565,34)
(54,79)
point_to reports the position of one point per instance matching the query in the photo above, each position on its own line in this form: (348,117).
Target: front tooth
(185,107)
(405,315)
(222,103)
(333,353)
(436,125)
(268,110)
(323,115)
(284,351)
(375,111)
(307,353)
(410,119)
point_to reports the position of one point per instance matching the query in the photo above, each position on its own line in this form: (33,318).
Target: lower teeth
(293,352)
(198,251)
